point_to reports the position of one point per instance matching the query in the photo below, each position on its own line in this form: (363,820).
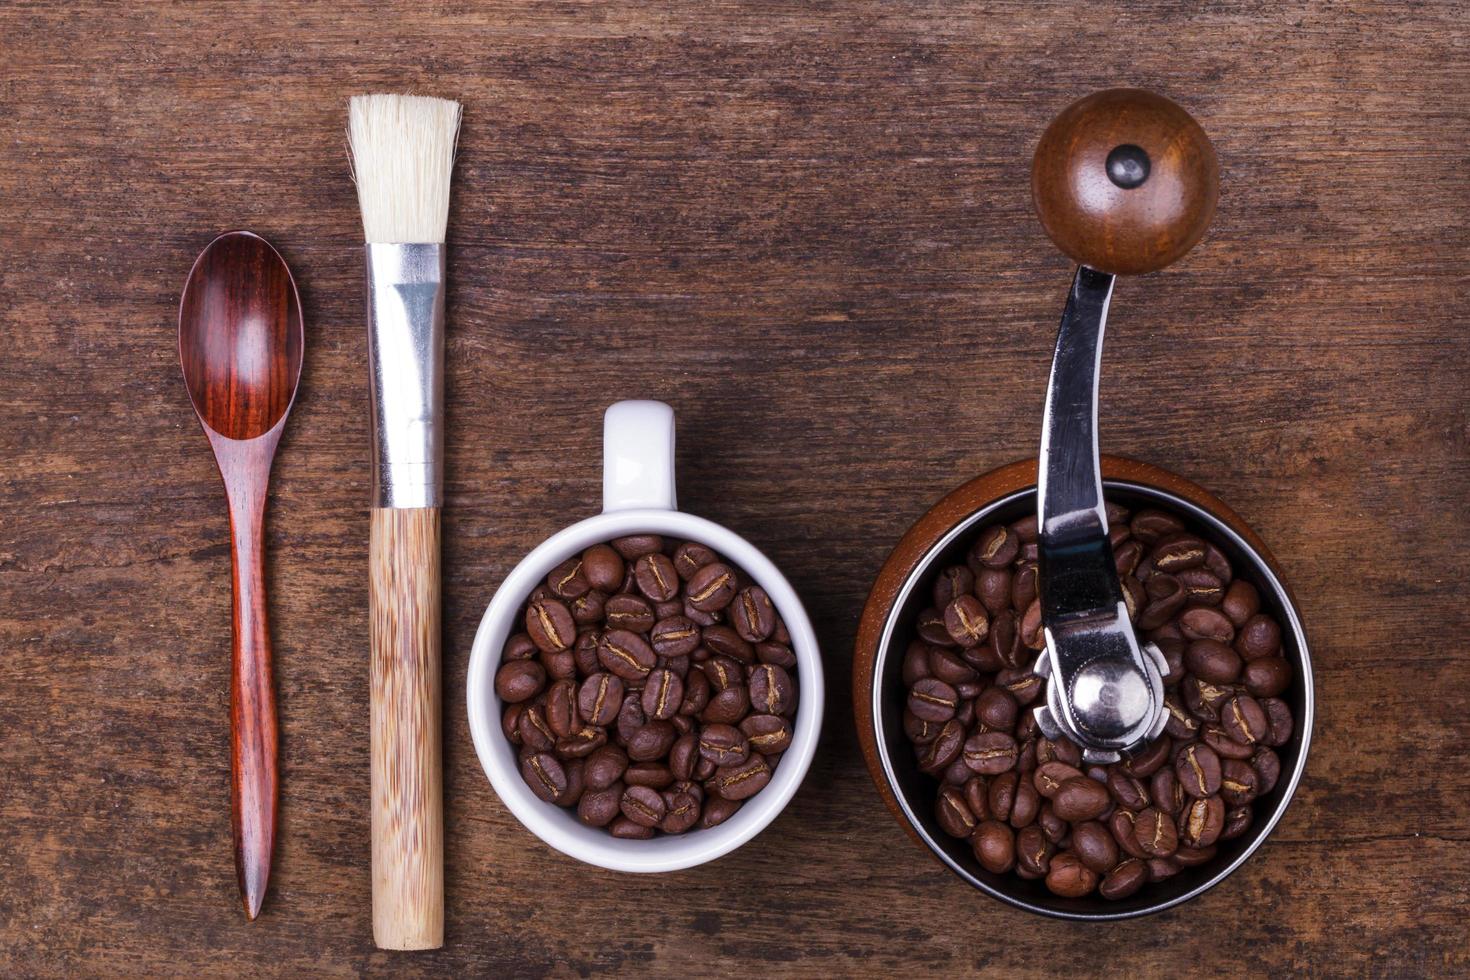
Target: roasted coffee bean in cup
(1031,807)
(653,689)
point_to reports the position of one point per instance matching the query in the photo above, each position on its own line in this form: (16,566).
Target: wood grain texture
(406,723)
(808,227)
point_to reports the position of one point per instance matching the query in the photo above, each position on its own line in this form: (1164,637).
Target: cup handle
(638,457)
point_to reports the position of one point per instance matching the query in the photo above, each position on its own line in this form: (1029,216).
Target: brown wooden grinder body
(240,346)
(407,791)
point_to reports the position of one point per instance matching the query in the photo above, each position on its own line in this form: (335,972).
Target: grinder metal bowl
(1125,182)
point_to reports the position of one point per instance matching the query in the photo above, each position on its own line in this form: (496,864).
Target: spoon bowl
(240,347)
(240,336)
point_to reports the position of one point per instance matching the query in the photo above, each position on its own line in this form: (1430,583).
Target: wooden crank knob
(1125,181)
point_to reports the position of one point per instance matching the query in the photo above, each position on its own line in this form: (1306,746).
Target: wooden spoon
(240,339)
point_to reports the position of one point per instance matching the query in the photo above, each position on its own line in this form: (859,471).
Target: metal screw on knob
(1128,166)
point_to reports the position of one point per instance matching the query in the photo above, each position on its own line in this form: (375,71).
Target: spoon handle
(253,734)
(407,790)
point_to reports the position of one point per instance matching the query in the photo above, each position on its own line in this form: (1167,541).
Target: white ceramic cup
(638,498)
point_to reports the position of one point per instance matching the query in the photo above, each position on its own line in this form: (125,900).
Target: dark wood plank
(808,227)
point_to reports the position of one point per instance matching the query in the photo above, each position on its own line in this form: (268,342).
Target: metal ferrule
(405,319)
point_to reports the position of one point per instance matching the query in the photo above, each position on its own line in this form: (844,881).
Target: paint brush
(402,158)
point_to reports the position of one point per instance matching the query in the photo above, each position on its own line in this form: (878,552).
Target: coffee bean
(605,767)
(753,614)
(1126,557)
(690,557)
(559,664)
(1061,750)
(637,545)
(1238,782)
(581,743)
(652,774)
(1027,804)
(550,625)
(1237,822)
(536,735)
(990,753)
(933,700)
(1095,846)
(1267,765)
(603,568)
(652,741)
(772,691)
(953,582)
(1212,661)
(775,653)
(1123,825)
(767,734)
(1179,723)
(966,621)
(1258,637)
(996,547)
(717,810)
(1166,793)
(656,578)
(567,580)
(1203,698)
(1002,646)
(1050,776)
(1278,717)
(1124,880)
(726,642)
(681,812)
(1147,762)
(626,654)
(996,709)
(1149,526)
(994,845)
(724,745)
(740,782)
(544,773)
(945,749)
(662,694)
(1177,552)
(518,647)
(683,755)
(510,723)
(993,588)
(727,707)
(1002,793)
(519,680)
(723,673)
(599,807)
(1162,869)
(1081,798)
(1033,852)
(1054,827)
(1022,684)
(711,588)
(674,637)
(1030,629)
(1069,877)
(643,805)
(1155,832)
(1202,821)
(1241,602)
(950,668)
(1244,720)
(1266,677)
(1197,768)
(1127,791)
(1204,623)
(696,693)
(561,708)
(1173,651)
(1224,746)
(952,812)
(628,612)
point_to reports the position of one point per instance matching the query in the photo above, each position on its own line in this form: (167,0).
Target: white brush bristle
(402,156)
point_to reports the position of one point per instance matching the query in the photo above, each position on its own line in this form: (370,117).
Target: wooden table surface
(807,226)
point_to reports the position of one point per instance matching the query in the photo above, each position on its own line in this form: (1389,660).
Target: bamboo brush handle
(407,786)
